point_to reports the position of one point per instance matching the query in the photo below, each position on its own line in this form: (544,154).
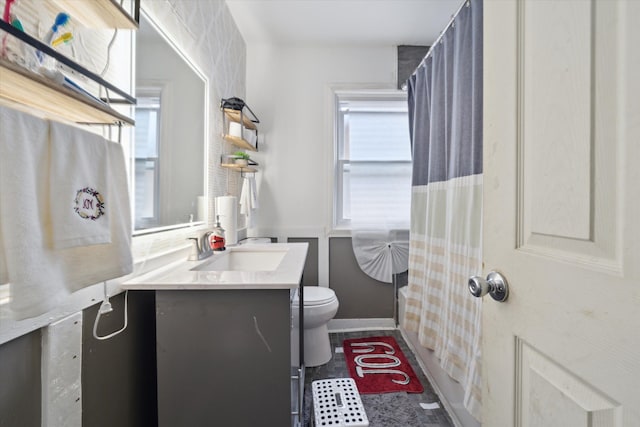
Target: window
(147,150)
(372,160)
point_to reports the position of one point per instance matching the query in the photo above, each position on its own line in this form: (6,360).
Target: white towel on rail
(114,259)
(78,187)
(33,272)
(249,200)
(40,276)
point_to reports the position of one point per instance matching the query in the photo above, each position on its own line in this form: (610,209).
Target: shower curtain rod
(435,43)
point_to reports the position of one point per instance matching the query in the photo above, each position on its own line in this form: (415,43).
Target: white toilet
(320,305)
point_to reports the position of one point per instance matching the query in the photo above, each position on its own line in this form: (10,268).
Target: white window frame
(383,96)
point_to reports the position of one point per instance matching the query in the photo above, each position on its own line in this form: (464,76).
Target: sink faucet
(201,247)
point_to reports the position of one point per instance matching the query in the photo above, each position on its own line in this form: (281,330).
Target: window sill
(339,232)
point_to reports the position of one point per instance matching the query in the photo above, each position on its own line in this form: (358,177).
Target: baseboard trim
(349,325)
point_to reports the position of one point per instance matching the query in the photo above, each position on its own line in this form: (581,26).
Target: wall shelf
(238,117)
(239,168)
(246,125)
(19,85)
(239,142)
(23,86)
(101,13)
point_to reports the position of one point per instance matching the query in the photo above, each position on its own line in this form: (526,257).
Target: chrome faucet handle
(194,255)
(205,244)
(202,247)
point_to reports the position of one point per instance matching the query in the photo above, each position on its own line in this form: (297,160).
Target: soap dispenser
(217,237)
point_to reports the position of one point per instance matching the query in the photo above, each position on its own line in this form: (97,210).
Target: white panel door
(562,212)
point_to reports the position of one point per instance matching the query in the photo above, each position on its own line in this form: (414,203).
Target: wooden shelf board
(239,142)
(234,115)
(98,13)
(238,168)
(22,86)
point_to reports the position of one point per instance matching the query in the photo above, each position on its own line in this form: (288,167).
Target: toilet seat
(316,295)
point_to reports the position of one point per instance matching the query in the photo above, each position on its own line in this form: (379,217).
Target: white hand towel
(245,202)
(249,200)
(254,192)
(78,187)
(103,262)
(40,276)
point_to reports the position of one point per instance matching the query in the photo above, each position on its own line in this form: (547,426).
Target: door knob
(495,285)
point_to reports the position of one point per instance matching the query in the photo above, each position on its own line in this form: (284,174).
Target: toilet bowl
(320,306)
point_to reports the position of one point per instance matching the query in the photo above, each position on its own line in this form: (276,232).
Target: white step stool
(336,403)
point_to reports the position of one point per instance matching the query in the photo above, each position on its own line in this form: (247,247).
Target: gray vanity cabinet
(224,358)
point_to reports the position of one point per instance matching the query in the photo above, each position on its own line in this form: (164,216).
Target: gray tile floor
(386,409)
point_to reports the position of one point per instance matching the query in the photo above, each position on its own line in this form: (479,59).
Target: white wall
(287,88)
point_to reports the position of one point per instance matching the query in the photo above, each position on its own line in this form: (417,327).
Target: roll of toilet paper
(235,129)
(227,210)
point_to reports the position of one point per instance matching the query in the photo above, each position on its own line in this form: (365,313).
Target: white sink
(244,260)
(260,266)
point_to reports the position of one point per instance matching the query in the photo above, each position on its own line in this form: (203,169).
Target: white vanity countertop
(213,273)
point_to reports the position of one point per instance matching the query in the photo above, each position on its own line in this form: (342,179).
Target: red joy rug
(378,366)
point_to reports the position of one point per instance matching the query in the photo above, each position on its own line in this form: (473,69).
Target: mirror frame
(180,52)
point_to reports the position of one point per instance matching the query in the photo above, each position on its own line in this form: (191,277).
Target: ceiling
(342,22)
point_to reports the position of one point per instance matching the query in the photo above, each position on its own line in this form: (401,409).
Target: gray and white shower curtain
(445,115)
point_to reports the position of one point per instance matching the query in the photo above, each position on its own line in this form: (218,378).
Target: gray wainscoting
(310,272)
(360,296)
(118,375)
(20,392)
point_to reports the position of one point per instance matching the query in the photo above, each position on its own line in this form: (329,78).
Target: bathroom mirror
(170,133)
